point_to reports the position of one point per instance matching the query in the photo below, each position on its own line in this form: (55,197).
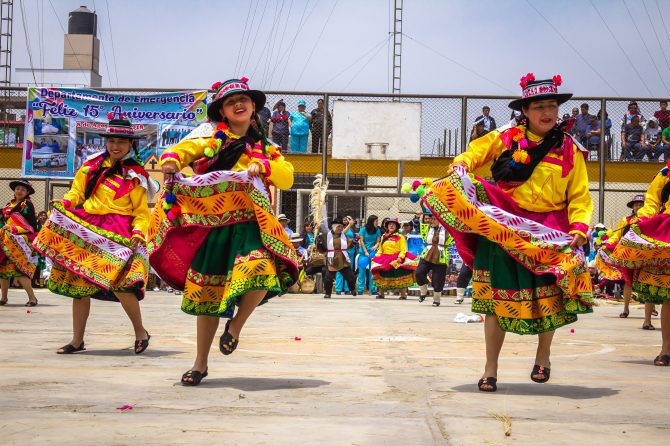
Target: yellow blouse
(189,150)
(394,244)
(115,195)
(546,190)
(652,199)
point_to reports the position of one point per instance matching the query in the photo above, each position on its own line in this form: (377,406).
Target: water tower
(82,47)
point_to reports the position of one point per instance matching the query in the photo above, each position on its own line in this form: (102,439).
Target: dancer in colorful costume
(636,203)
(337,247)
(643,254)
(214,235)
(96,234)
(522,236)
(393,267)
(18,225)
(435,258)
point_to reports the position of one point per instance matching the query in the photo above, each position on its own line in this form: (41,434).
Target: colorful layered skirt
(17,257)
(388,276)
(92,255)
(642,256)
(524,271)
(225,242)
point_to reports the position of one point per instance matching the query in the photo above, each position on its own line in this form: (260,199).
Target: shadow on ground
(261,384)
(557,390)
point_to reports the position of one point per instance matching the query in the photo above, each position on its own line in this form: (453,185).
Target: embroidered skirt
(523,270)
(387,277)
(226,243)
(91,255)
(16,254)
(643,257)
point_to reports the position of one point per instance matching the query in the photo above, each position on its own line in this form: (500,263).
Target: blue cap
(302,103)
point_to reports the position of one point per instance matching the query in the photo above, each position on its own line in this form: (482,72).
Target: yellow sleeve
(481,151)
(652,199)
(281,173)
(185,152)
(402,245)
(580,204)
(613,235)
(138,197)
(76,193)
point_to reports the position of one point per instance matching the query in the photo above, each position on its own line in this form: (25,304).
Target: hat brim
(214,109)
(116,135)
(13,184)
(560,98)
(632,202)
(398,224)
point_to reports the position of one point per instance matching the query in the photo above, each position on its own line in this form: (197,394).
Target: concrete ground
(338,372)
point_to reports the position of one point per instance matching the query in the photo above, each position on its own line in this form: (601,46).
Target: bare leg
(542,357)
(206,329)
(81,308)
(131,306)
(665,328)
(24,281)
(403,293)
(248,304)
(648,309)
(627,292)
(495,338)
(4,284)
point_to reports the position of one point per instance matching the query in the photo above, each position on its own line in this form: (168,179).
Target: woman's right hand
(169,168)
(454,165)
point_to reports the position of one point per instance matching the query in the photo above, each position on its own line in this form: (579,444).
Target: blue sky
(450,47)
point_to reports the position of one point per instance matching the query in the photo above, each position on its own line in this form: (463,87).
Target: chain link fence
(447,124)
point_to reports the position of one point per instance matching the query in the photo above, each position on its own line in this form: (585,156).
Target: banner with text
(63,125)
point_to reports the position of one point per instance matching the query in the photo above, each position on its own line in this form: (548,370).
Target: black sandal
(488,381)
(540,370)
(31,303)
(227,340)
(662,360)
(422,298)
(648,327)
(3,302)
(624,315)
(69,349)
(142,344)
(195,376)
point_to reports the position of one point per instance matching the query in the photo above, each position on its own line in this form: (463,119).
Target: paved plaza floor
(309,371)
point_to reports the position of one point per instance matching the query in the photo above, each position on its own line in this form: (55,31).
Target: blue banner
(63,125)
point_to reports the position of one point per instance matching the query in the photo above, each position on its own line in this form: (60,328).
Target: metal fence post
(464,123)
(324,136)
(603,152)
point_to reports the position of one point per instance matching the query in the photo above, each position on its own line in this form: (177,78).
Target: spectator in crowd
(265,116)
(633,111)
(370,236)
(665,141)
(581,121)
(568,122)
(280,129)
(593,134)
(340,284)
(416,221)
(284,221)
(298,123)
(316,126)
(663,115)
(632,140)
(489,122)
(652,139)
(478,130)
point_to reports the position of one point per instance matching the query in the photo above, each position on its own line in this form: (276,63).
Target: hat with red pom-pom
(539,90)
(228,88)
(119,127)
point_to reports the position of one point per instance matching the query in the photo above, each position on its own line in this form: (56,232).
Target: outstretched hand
(454,166)
(578,241)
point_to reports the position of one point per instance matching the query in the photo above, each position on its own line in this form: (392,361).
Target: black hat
(120,128)
(392,220)
(539,90)
(636,199)
(24,183)
(228,88)
(337,221)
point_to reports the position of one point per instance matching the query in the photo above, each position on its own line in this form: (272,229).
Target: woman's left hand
(254,170)
(578,241)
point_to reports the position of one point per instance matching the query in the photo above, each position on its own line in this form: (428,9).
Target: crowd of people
(214,235)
